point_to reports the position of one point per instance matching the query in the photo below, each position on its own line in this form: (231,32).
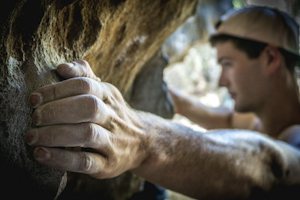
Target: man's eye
(226,64)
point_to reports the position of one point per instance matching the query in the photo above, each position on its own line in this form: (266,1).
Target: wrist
(141,127)
(151,127)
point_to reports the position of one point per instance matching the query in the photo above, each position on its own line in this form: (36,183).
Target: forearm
(227,164)
(206,117)
(219,117)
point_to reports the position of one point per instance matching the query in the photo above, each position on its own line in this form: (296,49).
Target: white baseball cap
(261,24)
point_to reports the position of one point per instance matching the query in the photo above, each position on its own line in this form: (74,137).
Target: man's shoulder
(291,135)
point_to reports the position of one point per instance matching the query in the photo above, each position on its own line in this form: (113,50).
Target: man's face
(244,78)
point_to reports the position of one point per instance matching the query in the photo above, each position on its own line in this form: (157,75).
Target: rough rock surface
(116,37)
(146,95)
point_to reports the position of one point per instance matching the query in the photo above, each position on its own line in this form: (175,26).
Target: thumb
(77,68)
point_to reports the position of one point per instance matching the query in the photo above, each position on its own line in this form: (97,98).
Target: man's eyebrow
(223,58)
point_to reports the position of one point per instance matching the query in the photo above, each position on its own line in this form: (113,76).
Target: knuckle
(54,92)
(84,67)
(113,160)
(114,91)
(110,87)
(85,85)
(85,164)
(90,133)
(83,63)
(106,172)
(94,106)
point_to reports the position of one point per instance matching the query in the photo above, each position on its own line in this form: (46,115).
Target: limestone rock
(146,95)
(116,37)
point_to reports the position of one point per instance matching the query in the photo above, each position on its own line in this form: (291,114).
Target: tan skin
(263,86)
(213,117)
(84,112)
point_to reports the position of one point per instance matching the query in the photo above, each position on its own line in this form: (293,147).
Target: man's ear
(273,59)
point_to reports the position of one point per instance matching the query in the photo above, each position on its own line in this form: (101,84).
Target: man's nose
(223,81)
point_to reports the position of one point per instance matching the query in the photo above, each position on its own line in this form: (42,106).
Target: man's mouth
(232,95)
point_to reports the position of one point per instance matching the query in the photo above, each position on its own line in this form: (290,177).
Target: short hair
(253,48)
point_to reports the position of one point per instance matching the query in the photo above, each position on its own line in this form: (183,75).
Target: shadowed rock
(146,93)
(116,37)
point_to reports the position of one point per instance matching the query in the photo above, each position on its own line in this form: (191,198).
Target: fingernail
(41,153)
(36,117)
(32,137)
(35,99)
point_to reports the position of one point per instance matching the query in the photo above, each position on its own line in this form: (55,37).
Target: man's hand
(84,112)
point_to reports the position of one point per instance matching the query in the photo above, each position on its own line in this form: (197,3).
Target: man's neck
(282,111)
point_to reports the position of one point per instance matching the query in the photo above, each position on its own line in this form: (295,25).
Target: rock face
(149,91)
(116,37)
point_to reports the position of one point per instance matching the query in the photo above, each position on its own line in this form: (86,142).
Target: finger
(87,135)
(78,68)
(72,110)
(68,88)
(80,162)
